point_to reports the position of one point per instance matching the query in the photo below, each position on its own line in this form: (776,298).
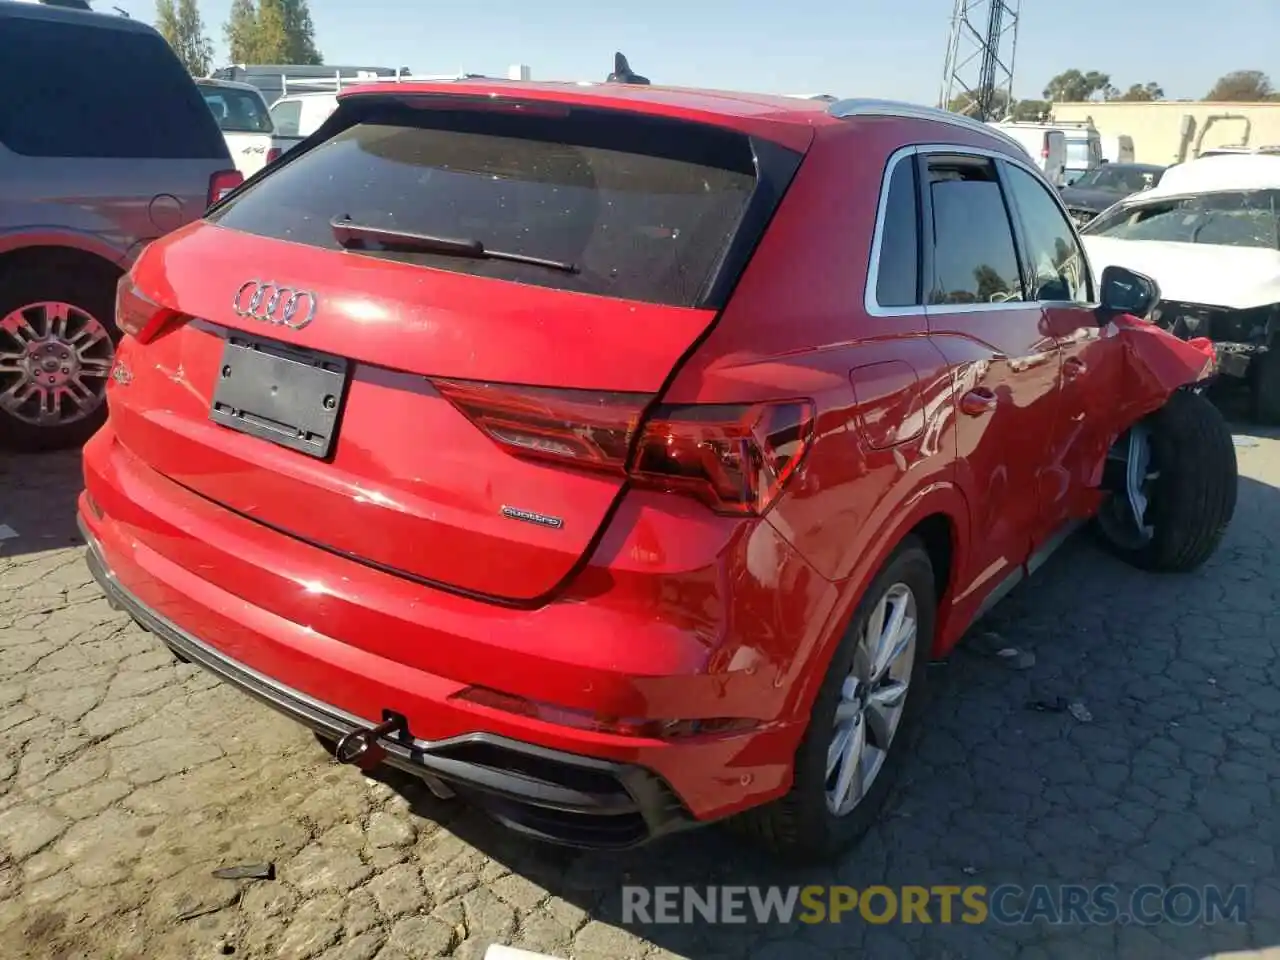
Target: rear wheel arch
(939,522)
(22,259)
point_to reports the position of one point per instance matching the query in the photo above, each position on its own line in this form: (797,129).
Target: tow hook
(361,747)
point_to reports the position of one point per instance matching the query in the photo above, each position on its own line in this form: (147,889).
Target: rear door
(1004,366)
(245,122)
(124,146)
(444,415)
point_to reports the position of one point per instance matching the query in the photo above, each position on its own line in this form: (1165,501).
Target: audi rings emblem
(268,302)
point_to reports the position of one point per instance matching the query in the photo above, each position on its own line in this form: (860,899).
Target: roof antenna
(622,72)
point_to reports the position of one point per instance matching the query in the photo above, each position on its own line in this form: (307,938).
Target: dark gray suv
(105,145)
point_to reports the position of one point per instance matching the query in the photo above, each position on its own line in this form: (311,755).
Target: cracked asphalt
(126,778)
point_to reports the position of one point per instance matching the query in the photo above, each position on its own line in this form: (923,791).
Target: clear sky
(881,48)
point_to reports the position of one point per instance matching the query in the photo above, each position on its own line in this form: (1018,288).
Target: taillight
(137,314)
(582,427)
(735,458)
(222,183)
(273,154)
(1044,150)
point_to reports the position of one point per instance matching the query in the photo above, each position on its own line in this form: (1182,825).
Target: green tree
(301,32)
(1031,110)
(966,103)
(240,31)
(1143,92)
(1242,85)
(1026,110)
(1075,86)
(180,24)
(271,31)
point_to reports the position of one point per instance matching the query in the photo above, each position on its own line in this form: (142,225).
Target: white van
(1045,145)
(1084,145)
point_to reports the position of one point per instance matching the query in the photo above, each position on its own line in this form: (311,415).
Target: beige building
(1162,133)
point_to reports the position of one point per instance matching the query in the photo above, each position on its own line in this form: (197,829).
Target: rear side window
(237,111)
(898,272)
(640,208)
(974,257)
(287,114)
(73,90)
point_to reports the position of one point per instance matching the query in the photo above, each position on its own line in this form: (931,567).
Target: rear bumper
(555,796)
(337,644)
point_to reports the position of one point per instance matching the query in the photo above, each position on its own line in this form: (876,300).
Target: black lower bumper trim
(559,797)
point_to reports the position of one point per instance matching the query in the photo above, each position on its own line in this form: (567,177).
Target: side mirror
(1123,291)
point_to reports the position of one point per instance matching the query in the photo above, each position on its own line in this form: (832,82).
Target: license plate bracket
(283,394)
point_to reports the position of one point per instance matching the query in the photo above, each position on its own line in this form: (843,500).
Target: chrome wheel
(54,362)
(872,699)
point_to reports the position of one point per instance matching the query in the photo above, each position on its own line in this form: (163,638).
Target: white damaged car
(1209,235)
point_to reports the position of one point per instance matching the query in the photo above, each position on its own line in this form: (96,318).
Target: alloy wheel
(872,699)
(54,361)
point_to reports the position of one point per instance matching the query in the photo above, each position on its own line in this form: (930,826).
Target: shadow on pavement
(1169,775)
(38,501)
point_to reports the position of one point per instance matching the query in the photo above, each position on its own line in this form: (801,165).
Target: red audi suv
(615,457)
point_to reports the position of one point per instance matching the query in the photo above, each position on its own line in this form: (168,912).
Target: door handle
(1072,367)
(977,402)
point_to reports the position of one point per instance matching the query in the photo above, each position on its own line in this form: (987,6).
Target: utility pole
(981,46)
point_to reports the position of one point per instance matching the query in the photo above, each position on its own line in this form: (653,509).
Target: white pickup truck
(245,123)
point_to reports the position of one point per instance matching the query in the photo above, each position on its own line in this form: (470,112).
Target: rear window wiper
(350,234)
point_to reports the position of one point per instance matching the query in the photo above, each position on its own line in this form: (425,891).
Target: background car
(1209,234)
(245,122)
(117,152)
(298,115)
(1103,186)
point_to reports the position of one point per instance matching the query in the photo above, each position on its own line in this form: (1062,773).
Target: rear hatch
(427,342)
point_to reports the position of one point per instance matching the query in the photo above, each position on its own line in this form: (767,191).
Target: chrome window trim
(869,301)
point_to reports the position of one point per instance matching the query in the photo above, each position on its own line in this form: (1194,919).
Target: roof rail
(338,82)
(859,107)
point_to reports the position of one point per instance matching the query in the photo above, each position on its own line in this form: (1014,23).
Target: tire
(90,290)
(1265,386)
(800,825)
(1192,495)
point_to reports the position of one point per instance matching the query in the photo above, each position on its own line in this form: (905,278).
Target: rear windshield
(641,208)
(1247,218)
(237,111)
(74,90)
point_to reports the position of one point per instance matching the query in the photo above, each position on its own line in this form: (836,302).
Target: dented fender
(1155,363)
(1135,367)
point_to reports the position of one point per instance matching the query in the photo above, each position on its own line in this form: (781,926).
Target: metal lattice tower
(981,47)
